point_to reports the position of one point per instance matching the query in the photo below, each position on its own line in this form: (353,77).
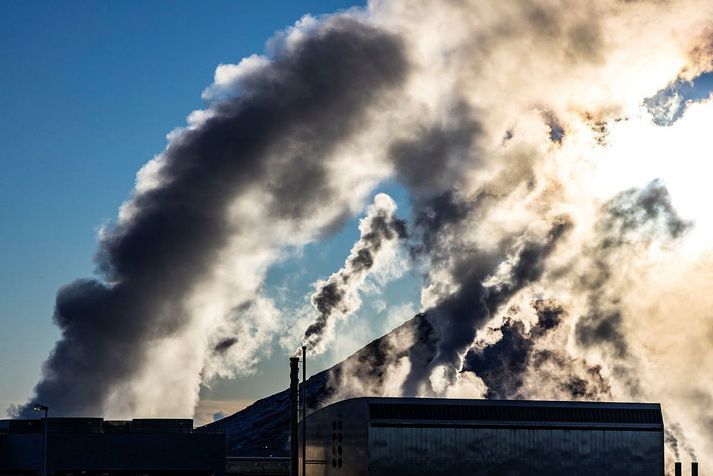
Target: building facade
(407,436)
(93,446)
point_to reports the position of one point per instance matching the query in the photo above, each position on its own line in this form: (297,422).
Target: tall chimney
(678,469)
(294,443)
(304,410)
(694,469)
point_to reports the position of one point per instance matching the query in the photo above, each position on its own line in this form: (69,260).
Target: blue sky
(89,90)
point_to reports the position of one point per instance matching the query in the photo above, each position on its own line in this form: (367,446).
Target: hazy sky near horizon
(89,91)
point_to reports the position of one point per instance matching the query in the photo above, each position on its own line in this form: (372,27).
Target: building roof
(101,426)
(509,413)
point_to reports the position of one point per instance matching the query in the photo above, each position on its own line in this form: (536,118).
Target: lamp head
(40,408)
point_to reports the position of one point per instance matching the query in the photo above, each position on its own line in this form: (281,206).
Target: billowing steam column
(294,443)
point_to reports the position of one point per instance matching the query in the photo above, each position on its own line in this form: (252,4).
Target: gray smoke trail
(336,296)
(676,439)
(672,442)
(275,136)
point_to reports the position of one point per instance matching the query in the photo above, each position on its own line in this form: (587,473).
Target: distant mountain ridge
(262,429)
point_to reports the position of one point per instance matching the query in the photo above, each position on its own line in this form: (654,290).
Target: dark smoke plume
(335,296)
(278,132)
(459,315)
(434,159)
(521,353)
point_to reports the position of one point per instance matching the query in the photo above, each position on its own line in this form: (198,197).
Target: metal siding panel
(507,450)
(354,418)
(513,452)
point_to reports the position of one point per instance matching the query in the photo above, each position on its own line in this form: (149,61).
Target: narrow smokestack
(294,443)
(678,471)
(304,410)
(694,469)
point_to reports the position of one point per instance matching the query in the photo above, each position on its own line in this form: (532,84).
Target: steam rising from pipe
(336,297)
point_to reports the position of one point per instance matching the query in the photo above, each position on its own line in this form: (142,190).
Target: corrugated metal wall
(513,452)
(449,439)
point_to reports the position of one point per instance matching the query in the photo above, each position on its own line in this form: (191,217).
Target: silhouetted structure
(294,441)
(409,436)
(93,446)
(678,468)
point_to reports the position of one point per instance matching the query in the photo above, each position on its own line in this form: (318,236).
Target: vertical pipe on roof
(304,410)
(694,468)
(294,443)
(678,469)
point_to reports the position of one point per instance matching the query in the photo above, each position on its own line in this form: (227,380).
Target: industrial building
(93,446)
(410,436)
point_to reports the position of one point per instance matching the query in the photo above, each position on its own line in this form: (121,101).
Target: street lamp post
(43,408)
